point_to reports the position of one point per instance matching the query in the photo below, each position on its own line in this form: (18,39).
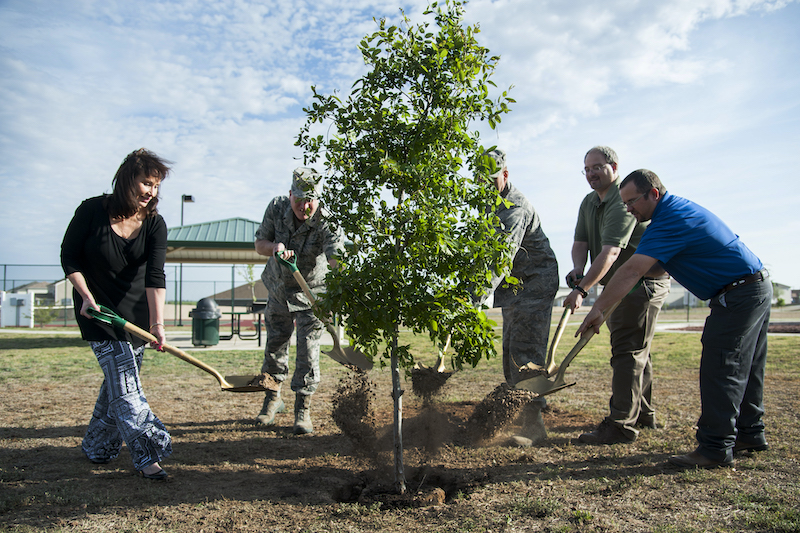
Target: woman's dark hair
(122,202)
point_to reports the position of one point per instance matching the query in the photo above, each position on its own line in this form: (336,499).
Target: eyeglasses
(630,204)
(597,169)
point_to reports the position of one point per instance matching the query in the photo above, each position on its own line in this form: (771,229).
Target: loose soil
(462,474)
(427,383)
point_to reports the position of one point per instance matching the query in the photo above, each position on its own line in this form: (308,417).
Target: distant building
(40,289)
(780,291)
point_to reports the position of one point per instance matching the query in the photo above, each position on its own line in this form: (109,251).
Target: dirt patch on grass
(229,474)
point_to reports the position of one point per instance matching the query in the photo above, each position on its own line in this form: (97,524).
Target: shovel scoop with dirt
(537,379)
(427,381)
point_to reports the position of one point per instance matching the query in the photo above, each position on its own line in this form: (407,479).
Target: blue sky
(705,93)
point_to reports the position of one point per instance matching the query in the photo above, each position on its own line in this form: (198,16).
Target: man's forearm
(265,247)
(580,253)
(600,266)
(623,281)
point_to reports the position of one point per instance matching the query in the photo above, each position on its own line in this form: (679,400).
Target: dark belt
(747,280)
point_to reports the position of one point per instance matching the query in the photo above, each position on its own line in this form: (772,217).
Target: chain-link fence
(231,285)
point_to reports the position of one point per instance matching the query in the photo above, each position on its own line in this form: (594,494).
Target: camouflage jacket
(313,242)
(535,264)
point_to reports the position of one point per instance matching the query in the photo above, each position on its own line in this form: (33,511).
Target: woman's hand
(88,302)
(155,303)
(82,288)
(158,331)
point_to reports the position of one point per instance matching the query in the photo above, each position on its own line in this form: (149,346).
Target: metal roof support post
(180,298)
(175,298)
(185,198)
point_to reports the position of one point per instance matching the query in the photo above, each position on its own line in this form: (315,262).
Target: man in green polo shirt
(608,234)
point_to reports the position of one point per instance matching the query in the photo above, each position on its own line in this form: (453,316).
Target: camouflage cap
(306,183)
(499,157)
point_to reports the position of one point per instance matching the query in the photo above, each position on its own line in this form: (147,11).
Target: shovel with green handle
(346,355)
(227,383)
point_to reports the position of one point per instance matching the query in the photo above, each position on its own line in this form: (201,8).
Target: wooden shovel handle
(583,341)
(550,365)
(440,361)
(303,285)
(180,354)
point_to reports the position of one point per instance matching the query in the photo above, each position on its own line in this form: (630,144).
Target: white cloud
(681,85)
(570,55)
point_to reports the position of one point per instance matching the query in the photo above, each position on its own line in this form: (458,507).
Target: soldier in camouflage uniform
(527,307)
(295,226)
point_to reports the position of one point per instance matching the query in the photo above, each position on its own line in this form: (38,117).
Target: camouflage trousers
(280,325)
(526,328)
(122,413)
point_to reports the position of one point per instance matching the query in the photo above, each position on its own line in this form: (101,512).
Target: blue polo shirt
(696,247)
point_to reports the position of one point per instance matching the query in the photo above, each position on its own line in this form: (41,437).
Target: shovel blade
(242,384)
(347,355)
(541,385)
(558,388)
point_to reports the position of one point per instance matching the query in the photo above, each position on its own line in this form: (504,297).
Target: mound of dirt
(430,429)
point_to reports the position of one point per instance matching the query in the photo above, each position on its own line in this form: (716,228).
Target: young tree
(45,314)
(249,275)
(424,237)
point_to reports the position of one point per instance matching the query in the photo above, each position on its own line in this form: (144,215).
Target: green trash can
(205,323)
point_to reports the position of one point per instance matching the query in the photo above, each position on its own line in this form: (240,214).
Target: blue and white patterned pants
(122,412)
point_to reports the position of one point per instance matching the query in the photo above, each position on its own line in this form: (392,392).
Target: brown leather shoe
(606,433)
(697,460)
(749,447)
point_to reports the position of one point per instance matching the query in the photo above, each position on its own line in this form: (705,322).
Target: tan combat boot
(273,404)
(302,415)
(533,430)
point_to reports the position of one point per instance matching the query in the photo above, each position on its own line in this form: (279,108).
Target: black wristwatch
(580,290)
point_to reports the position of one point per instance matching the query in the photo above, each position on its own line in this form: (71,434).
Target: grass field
(230,475)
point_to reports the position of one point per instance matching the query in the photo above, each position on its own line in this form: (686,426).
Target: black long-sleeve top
(117,270)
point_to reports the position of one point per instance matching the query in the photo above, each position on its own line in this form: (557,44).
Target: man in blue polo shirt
(707,258)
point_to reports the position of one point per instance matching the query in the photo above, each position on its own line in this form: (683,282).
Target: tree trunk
(397,395)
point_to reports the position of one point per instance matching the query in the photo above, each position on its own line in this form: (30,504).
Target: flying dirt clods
(498,409)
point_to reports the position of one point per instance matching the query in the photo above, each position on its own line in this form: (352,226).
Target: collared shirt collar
(596,201)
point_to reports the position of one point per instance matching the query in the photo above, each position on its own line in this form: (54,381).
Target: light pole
(185,199)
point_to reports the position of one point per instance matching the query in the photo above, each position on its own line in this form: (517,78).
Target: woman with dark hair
(113,253)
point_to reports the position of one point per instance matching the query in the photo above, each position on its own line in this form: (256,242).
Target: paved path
(183,338)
